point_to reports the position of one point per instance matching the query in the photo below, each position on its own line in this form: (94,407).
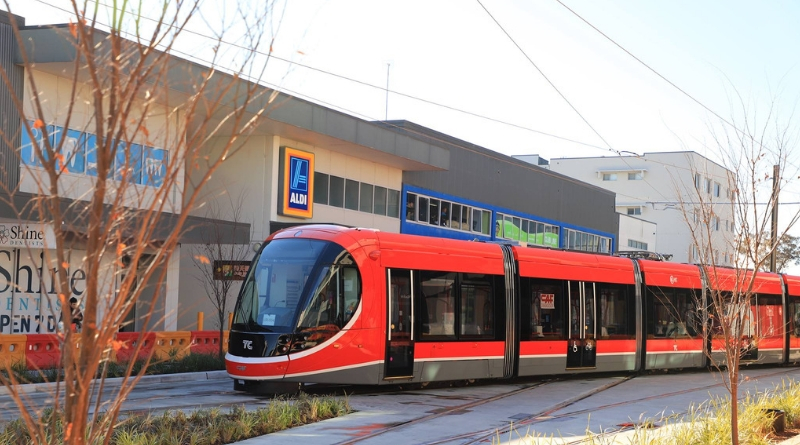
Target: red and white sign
(548,301)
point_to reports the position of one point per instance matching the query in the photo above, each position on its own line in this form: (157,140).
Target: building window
(717,188)
(379,204)
(697,181)
(637,244)
(339,192)
(635,176)
(336,192)
(393,203)
(634,210)
(589,242)
(708,185)
(715,221)
(365,198)
(609,176)
(527,231)
(351,194)
(439,212)
(320,188)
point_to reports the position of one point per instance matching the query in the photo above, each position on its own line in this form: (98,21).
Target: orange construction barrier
(12,349)
(43,351)
(205,342)
(130,340)
(172,344)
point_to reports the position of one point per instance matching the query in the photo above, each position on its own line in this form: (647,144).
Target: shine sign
(297,183)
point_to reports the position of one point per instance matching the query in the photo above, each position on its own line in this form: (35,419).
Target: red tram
(329,304)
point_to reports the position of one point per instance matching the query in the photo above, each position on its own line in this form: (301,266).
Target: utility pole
(776,181)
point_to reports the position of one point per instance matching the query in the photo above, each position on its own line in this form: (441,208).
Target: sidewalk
(117,381)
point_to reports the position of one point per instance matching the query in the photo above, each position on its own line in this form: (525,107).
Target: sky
(557,78)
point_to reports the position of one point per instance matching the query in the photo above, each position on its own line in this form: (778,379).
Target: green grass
(206,427)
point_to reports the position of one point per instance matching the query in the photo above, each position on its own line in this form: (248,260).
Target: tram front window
(281,277)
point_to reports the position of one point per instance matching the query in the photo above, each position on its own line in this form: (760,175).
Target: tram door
(400,332)
(582,344)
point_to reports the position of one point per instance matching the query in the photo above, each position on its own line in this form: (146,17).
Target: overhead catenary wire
(662,77)
(356,81)
(547,79)
(416,98)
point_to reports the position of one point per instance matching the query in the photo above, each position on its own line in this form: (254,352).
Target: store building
(304,163)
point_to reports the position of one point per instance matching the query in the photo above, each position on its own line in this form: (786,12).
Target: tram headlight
(284,339)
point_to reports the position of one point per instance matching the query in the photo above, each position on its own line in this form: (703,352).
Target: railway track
(482,434)
(558,412)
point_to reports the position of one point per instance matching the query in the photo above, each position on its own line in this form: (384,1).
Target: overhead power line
(547,79)
(643,63)
(360,82)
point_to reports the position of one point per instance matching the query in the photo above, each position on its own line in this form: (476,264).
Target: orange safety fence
(129,342)
(174,344)
(43,351)
(12,350)
(206,342)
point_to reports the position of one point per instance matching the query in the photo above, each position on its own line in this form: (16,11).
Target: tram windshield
(297,284)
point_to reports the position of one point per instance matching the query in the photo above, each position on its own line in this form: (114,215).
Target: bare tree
(155,129)
(729,259)
(222,264)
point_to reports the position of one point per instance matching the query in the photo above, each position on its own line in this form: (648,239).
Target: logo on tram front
(297,183)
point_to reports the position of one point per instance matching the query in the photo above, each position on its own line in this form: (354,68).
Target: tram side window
(477,306)
(770,317)
(794,316)
(615,308)
(674,313)
(439,302)
(547,303)
(400,299)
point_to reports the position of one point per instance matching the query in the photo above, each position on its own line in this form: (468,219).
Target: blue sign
(139,164)
(73,150)
(155,162)
(128,163)
(29,146)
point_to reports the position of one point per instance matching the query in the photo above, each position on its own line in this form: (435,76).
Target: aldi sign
(297,183)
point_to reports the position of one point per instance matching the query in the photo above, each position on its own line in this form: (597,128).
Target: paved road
(482,414)
(501,411)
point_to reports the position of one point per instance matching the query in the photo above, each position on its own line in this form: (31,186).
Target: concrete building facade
(666,189)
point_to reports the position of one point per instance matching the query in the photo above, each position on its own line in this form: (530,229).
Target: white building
(668,190)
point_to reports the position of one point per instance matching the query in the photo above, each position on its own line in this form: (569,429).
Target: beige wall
(55,95)
(253,171)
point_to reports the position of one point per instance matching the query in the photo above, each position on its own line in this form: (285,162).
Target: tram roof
(565,265)
(666,274)
(793,283)
(431,253)
(730,280)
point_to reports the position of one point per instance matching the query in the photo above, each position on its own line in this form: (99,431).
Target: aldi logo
(297,183)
